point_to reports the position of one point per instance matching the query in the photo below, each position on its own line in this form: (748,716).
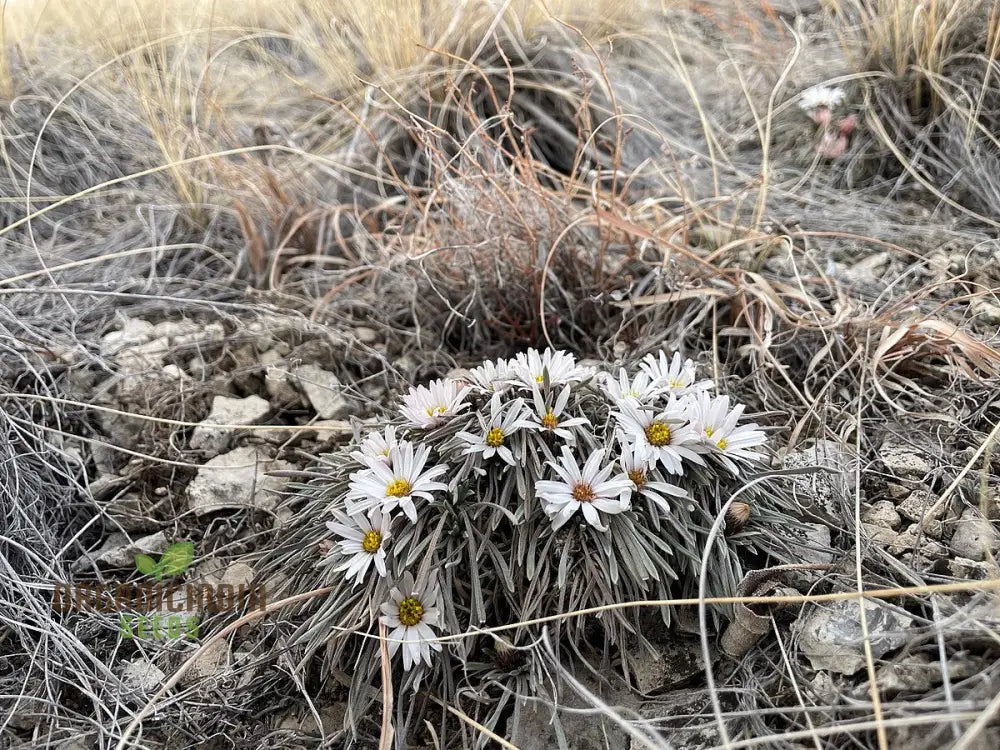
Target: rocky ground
(188,336)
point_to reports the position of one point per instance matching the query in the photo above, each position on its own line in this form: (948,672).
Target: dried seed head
(737,517)
(507,657)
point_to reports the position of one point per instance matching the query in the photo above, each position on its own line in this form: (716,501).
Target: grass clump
(932,97)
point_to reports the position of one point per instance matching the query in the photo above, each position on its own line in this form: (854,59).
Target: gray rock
(177,330)
(883,513)
(823,494)
(135,363)
(933,529)
(897,491)
(173,372)
(987,312)
(676,660)
(365,335)
(962,567)
(932,550)
(228,411)
(133,332)
(915,539)
(405,364)
(992,505)
(141,676)
(212,662)
(280,383)
(880,536)
(974,536)
(271,357)
(120,551)
(815,545)
(198,368)
(236,479)
(919,506)
(830,634)
(238,574)
(211,333)
(912,673)
(904,461)
(323,390)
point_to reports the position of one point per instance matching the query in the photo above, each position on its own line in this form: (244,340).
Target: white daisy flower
(395,485)
(639,390)
(820,96)
(531,367)
(377,445)
(411,614)
(592,490)
(550,418)
(663,437)
(504,421)
(493,376)
(637,468)
(676,375)
(363,539)
(716,426)
(430,406)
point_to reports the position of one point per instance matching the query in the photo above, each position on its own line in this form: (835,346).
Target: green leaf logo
(174,561)
(145,564)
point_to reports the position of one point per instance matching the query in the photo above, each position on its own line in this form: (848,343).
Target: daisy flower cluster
(551,472)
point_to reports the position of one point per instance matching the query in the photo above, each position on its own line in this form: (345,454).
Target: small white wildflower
(639,390)
(531,367)
(504,421)
(493,376)
(820,96)
(395,485)
(663,436)
(550,419)
(634,463)
(363,539)
(431,405)
(673,376)
(377,445)
(411,613)
(717,427)
(592,490)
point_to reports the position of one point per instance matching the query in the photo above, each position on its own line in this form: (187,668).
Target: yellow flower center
(494,438)
(709,431)
(722,444)
(432,410)
(550,421)
(540,379)
(658,434)
(411,611)
(398,488)
(584,493)
(638,477)
(675,383)
(371,542)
